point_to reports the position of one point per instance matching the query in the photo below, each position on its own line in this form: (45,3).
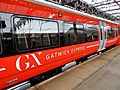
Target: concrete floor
(100,73)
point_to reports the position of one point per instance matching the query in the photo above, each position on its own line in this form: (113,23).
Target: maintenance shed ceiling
(108,6)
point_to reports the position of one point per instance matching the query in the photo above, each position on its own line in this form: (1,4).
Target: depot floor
(100,73)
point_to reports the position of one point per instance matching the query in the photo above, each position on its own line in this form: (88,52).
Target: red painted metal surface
(118,38)
(28,65)
(111,41)
(34,9)
(25,66)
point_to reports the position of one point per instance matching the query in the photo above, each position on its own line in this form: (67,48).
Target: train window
(0,38)
(35,33)
(70,36)
(115,30)
(2,24)
(80,33)
(50,31)
(0,45)
(110,33)
(91,33)
(119,30)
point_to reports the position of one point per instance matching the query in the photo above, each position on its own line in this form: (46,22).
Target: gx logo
(23,62)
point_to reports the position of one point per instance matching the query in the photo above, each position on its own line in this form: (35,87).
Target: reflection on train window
(69,33)
(115,30)
(73,33)
(80,33)
(110,33)
(91,33)
(34,33)
(119,30)
(0,38)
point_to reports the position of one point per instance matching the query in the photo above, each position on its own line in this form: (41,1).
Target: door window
(110,33)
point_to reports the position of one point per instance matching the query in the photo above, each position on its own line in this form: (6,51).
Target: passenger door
(103,38)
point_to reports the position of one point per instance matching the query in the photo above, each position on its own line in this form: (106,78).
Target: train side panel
(118,41)
(111,34)
(17,68)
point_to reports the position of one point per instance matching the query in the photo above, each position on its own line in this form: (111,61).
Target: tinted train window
(34,33)
(0,38)
(70,36)
(80,33)
(119,30)
(91,33)
(110,33)
(115,31)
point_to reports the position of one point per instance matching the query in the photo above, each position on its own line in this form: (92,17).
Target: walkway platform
(100,73)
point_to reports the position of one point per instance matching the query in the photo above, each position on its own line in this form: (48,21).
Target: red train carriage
(37,37)
(118,33)
(112,35)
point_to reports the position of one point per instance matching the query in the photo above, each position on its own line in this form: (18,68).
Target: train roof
(50,4)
